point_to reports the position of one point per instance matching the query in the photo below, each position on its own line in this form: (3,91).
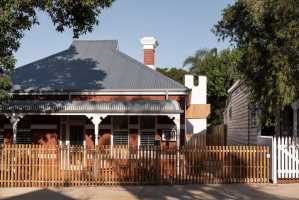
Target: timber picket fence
(213,136)
(44,166)
(216,135)
(285,166)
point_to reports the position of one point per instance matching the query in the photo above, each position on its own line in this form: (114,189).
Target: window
(147,122)
(24,136)
(169,135)
(148,130)
(147,138)
(120,138)
(76,135)
(120,130)
(133,119)
(120,122)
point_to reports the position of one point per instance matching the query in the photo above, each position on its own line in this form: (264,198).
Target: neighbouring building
(242,119)
(94,94)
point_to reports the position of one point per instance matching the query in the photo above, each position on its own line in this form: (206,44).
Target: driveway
(182,192)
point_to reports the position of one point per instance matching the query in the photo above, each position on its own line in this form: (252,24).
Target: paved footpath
(182,192)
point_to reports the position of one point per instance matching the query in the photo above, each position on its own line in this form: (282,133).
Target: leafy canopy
(220,69)
(266,32)
(176,74)
(17,16)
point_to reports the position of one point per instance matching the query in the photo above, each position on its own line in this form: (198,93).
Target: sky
(181,27)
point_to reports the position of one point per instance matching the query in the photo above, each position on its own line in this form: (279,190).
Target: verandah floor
(42,166)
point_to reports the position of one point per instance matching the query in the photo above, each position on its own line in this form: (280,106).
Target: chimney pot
(149,46)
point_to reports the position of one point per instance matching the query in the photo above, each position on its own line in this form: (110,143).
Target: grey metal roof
(90,66)
(138,106)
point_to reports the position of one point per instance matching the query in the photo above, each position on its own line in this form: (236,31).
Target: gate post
(274,159)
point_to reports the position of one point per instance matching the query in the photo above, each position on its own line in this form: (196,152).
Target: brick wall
(149,57)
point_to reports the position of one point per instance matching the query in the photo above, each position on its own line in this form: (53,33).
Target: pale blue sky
(181,27)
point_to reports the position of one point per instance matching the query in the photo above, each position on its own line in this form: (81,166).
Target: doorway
(76,134)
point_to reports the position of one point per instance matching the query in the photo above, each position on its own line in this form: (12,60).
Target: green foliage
(174,73)
(17,16)
(266,32)
(220,69)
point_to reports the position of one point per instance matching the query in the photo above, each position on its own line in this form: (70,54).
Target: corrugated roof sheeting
(90,66)
(139,106)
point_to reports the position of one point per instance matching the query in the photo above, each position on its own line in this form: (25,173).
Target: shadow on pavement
(187,192)
(43,194)
(159,192)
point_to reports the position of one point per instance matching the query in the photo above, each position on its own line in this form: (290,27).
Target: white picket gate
(285,158)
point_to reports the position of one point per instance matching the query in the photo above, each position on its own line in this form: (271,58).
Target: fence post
(274,160)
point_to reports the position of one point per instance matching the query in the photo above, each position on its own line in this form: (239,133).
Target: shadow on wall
(62,70)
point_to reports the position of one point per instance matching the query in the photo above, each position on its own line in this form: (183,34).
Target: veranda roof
(137,106)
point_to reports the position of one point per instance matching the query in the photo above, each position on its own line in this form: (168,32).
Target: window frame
(147,130)
(173,139)
(148,134)
(114,130)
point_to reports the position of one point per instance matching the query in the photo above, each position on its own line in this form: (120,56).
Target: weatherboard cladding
(138,106)
(90,66)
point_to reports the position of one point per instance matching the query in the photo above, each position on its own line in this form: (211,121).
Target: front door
(76,134)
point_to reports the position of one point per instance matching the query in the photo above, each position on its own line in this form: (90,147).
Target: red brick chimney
(149,46)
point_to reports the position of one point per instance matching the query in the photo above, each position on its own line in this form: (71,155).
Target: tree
(17,16)
(266,32)
(176,74)
(220,69)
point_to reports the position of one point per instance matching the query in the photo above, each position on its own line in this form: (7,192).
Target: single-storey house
(94,94)
(242,121)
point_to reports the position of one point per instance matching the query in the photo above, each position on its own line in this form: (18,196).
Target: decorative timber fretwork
(14,119)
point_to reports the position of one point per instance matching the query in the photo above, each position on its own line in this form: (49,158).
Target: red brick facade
(52,136)
(149,57)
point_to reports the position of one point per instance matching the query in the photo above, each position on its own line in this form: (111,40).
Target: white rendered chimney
(149,46)
(199,92)
(198,96)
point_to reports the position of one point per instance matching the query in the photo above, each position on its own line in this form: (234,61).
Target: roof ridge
(112,43)
(79,40)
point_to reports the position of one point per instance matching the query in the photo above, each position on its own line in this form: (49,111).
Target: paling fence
(43,166)
(285,162)
(216,135)
(213,136)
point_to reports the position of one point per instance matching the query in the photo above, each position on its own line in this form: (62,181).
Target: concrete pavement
(170,192)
